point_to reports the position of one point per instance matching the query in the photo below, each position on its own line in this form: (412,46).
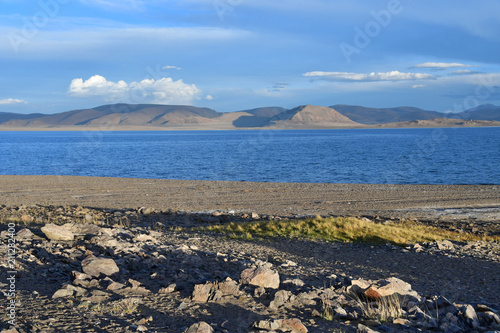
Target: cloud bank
(441,65)
(12,101)
(360,77)
(163,91)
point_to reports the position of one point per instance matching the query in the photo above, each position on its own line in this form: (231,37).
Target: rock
(95,266)
(294,324)
(167,290)
(146,211)
(24,234)
(471,316)
(294,282)
(418,248)
(203,293)
(214,291)
(57,233)
(383,288)
(75,275)
(445,245)
(281,298)
(201,327)
(401,321)
(255,216)
(365,329)
(261,277)
(115,286)
(269,325)
(490,317)
(63,292)
(27,218)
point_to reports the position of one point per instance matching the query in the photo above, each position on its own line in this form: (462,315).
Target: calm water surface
(378,156)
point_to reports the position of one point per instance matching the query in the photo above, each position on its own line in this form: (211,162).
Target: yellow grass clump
(346,230)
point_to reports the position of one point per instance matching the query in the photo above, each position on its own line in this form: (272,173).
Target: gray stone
(281,298)
(63,292)
(57,233)
(261,277)
(201,327)
(95,266)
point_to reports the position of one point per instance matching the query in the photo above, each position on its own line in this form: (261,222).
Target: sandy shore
(471,202)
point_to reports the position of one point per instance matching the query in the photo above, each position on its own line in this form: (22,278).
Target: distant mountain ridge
(376,116)
(153,116)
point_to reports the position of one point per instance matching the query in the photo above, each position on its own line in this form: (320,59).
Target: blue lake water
(377,156)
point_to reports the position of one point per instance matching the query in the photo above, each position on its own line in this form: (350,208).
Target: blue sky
(230,55)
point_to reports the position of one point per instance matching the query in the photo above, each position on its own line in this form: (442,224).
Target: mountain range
(153,116)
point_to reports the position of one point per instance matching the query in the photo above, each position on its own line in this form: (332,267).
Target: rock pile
(99,278)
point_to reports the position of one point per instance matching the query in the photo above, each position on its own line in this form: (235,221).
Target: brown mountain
(310,116)
(119,115)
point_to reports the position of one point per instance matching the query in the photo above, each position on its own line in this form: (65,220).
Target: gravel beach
(445,202)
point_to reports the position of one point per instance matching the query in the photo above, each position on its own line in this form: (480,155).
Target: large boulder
(57,232)
(261,277)
(383,288)
(95,266)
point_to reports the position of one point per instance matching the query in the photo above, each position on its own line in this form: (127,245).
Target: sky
(232,55)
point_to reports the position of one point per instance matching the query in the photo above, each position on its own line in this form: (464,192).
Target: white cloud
(209,97)
(360,77)
(441,65)
(12,101)
(171,67)
(415,86)
(163,91)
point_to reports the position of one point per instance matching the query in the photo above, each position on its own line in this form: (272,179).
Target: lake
(376,156)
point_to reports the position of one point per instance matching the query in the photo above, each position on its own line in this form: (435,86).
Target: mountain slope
(258,117)
(374,116)
(119,115)
(482,112)
(311,116)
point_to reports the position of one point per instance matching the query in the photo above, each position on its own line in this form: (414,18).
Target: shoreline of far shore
(207,128)
(440,202)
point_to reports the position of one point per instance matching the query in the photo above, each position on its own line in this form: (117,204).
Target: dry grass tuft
(125,306)
(384,309)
